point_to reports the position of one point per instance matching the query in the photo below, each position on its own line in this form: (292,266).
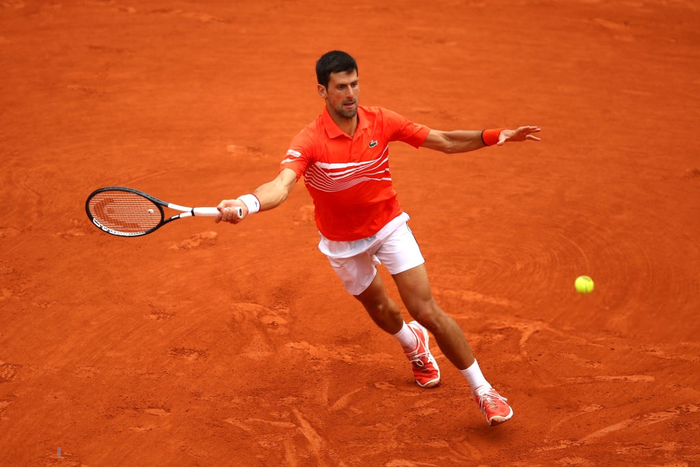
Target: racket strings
(125,211)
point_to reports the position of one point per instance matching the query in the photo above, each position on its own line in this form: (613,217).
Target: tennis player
(344,158)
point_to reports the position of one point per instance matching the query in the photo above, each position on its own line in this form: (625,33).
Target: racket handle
(211,212)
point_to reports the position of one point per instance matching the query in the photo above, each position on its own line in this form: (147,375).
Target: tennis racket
(127,212)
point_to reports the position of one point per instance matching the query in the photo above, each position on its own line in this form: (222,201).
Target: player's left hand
(523,133)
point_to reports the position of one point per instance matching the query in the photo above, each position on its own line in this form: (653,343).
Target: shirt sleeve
(299,154)
(402,129)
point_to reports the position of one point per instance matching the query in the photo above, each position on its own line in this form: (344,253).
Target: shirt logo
(373,143)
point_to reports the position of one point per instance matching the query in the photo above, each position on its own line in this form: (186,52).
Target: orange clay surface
(206,344)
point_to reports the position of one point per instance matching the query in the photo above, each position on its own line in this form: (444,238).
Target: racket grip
(211,212)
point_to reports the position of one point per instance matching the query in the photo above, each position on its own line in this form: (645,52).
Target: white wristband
(251,202)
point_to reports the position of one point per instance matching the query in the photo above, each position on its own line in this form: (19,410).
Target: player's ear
(322,91)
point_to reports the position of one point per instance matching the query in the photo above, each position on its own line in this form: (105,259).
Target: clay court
(210,344)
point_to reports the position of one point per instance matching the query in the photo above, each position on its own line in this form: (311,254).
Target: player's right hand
(228,211)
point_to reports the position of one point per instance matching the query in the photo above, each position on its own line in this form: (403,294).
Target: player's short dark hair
(334,61)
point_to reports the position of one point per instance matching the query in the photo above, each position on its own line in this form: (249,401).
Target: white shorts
(356,262)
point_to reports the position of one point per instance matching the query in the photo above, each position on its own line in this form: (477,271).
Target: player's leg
(382,309)
(360,278)
(401,255)
(414,288)
(415,292)
(387,315)
(413,338)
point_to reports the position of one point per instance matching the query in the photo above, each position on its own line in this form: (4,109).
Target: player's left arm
(457,141)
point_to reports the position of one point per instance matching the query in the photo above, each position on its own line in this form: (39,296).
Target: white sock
(475,377)
(406,338)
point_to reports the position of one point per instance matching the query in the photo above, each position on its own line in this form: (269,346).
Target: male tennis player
(344,158)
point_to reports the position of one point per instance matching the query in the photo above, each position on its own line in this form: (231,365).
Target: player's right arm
(270,195)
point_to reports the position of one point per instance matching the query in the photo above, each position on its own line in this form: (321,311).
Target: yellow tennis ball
(584,284)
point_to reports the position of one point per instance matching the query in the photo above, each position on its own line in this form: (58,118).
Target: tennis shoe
(493,405)
(425,368)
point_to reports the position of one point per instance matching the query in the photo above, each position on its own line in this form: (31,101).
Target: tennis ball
(584,284)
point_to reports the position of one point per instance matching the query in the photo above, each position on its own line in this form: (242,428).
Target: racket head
(124,212)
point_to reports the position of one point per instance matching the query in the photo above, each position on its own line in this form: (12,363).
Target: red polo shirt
(349,178)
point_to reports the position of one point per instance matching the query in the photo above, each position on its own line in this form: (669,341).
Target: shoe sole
(429,384)
(426,336)
(497,420)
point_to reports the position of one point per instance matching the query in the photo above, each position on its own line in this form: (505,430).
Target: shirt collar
(332,128)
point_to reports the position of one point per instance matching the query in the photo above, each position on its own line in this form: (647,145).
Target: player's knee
(429,315)
(379,307)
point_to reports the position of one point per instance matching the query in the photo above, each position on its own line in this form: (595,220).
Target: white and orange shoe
(425,368)
(493,405)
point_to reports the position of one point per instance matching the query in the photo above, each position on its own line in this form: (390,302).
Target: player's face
(342,94)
